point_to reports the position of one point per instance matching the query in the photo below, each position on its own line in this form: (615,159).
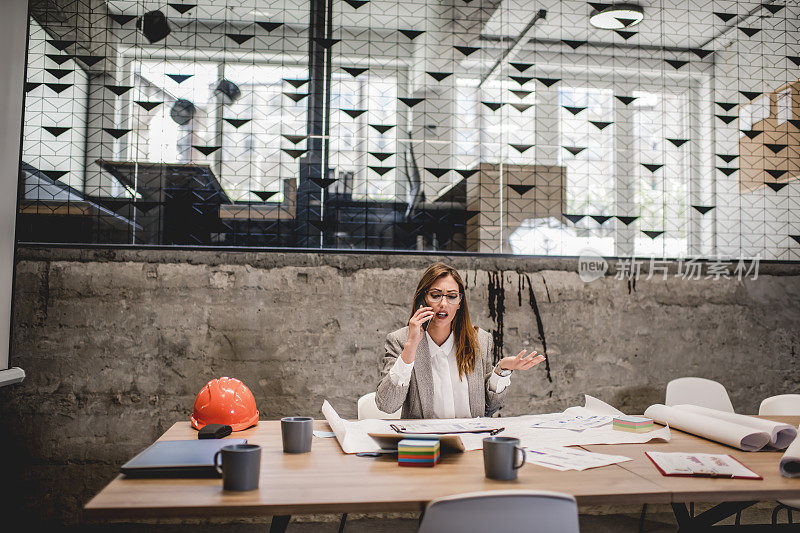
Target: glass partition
(461,126)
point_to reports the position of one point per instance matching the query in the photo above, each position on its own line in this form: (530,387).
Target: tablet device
(388,441)
(178,458)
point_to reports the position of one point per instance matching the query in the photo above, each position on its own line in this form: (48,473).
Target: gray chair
(509,511)
(782,405)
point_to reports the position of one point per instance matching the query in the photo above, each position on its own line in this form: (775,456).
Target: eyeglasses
(436,296)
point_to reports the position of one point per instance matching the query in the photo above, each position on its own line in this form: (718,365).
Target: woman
(439,366)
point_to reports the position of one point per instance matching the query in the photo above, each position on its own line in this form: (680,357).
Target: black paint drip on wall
(497,309)
(540,327)
(631,284)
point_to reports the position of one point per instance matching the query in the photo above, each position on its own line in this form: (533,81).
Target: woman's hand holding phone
(416,329)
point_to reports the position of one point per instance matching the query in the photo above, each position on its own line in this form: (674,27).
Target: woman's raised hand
(521,361)
(417,321)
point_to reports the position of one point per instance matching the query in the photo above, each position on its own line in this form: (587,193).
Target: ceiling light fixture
(153,25)
(616,16)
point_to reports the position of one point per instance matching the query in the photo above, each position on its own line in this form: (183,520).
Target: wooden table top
(329,481)
(773,486)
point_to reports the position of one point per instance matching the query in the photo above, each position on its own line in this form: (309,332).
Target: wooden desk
(737,494)
(329,481)
(774,486)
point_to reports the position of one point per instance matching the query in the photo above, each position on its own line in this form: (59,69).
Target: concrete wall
(116,344)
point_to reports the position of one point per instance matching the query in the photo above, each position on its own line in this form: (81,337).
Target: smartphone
(421,303)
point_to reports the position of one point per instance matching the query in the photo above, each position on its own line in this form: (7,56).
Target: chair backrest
(507,511)
(783,404)
(698,391)
(367,408)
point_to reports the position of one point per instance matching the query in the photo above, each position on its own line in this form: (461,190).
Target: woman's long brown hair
(465,334)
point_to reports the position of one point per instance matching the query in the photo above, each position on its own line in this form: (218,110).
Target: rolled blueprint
(709,427)
(790,462)
(780,434)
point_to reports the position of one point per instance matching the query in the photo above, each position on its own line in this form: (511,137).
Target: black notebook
(178,458)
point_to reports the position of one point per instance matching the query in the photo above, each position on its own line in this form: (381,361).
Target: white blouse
(450,392)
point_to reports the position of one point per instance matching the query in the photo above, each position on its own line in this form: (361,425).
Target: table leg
(687,522)
(721,511)
(641,518)
(279,523)
(682,515)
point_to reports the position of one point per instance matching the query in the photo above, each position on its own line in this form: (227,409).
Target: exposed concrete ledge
(11,376)
(344,261)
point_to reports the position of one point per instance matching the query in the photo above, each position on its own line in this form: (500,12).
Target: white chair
(695,391)
(698,391)
(782,405)
(509,511)
(367,408)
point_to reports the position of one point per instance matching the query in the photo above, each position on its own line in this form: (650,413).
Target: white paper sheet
(790,462)
(562,458)
(593,406)
(739,431)
(534,437)
(573,422)
(452,425)
(352,436)
(602,435)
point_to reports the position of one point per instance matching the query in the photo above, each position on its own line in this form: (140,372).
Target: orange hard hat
(225,401)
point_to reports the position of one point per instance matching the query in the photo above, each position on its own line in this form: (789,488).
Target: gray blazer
(416,398)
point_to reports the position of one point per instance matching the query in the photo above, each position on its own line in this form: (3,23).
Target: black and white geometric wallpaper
(502,126)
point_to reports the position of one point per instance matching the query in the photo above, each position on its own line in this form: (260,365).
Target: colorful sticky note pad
(418,452)
(636,424)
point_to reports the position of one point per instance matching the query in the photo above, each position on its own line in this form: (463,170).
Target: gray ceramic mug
(500,457)
(296,432)
(240,466)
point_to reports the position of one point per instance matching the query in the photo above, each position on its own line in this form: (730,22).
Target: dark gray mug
(296,432)
(500,457)
(240,466)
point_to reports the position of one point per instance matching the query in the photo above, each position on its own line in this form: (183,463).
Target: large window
(364,134)
(436,126)
(263,131)
(662,136)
